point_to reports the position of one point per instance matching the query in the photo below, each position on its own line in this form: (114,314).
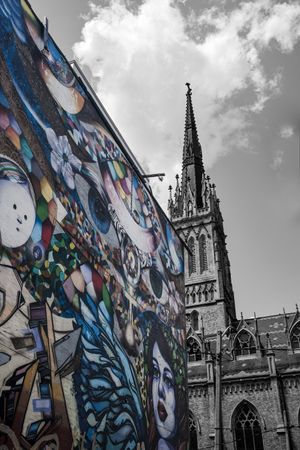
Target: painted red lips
(162,411)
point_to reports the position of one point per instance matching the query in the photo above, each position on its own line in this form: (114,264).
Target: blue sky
(243,62)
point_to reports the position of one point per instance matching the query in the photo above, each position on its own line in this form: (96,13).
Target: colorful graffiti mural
(92,324)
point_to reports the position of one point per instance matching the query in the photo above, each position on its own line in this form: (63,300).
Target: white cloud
(286,132)
(277,160)
(142,59)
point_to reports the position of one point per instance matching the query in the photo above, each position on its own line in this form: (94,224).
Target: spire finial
(170,202)
(286,321)
(189,90)
(269,345)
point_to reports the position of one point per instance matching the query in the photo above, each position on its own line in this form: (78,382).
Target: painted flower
(63,161)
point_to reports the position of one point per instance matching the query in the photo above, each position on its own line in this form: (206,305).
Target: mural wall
(91,272)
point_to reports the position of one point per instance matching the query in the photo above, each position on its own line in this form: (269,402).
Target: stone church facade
(244,374)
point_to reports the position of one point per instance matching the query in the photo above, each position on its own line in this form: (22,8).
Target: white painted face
(163,395)
(17,213)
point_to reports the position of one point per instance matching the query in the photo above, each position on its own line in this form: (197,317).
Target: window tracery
(193,432)
(195,320)
(206,294)
(212,293)
(248,434)
(193,349)
(191,256)
(203,253)
(295,336)
(244,343)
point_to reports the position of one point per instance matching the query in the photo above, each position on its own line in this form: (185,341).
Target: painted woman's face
(17,214)
(163,395)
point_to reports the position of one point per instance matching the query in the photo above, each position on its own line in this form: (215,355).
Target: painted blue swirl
(13,11)
(107,394)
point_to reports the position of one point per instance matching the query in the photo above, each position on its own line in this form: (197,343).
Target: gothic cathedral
(244,374)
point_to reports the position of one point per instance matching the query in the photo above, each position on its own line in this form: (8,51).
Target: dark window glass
(248,435)
(203,253)
(193,433)
(192,256)
(244,343)
(295,336)
(193,349)
(195,320)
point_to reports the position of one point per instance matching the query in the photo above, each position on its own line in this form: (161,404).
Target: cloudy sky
(243,62)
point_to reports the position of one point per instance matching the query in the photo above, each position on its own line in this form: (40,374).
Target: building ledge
(280,429)
(245,357)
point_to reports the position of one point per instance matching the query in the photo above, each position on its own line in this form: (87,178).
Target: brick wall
(213,316)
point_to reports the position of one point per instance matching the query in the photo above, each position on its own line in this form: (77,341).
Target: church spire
(192,164)
(195,213)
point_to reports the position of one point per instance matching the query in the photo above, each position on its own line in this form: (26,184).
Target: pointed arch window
(203,253)
(193,349)
(295,337)
(195,320)
(191,256)
(193,432)
(187,299)
(244,343)
(247,428)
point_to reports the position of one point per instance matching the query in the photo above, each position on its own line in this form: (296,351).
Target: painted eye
(168,381)
(95,206)
(14,206)
(98,210)
(155,372)
(25,217)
